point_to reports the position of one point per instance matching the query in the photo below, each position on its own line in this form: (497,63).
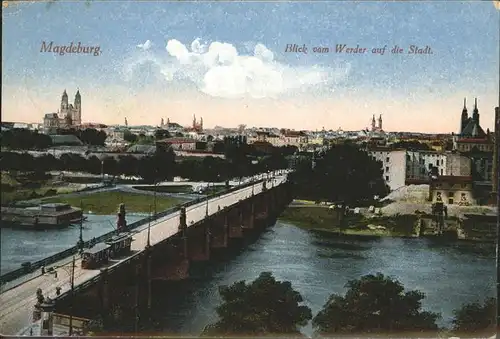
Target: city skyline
(227,63)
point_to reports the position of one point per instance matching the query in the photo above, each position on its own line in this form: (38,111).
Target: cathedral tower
(475,114)
(64,101)
(380,122)
(373,123)
(77,114)
(465,117)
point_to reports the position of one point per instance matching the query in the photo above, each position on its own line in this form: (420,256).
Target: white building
(393,166)
(403,166)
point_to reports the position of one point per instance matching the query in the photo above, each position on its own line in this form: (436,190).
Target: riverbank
(22,187)
(324,219)
(106,203)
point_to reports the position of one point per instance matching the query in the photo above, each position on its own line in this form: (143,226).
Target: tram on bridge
(120,244)
(95,256)
(100,253)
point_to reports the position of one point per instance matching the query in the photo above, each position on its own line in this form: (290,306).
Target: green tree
(162,134)
(411,145)
(128,165)
(375,304)
(94,165)
(46,162)
(265,306)
(157,167)
(342,173)
(24,139)
(475,318)
(110,166)
(130,137)
(91,136)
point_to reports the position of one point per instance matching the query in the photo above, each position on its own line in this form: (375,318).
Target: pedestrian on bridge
(43,269)
(55,274)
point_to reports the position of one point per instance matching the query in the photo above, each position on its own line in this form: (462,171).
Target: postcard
(228,169)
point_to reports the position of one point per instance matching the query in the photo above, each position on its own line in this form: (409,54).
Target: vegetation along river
(450,274)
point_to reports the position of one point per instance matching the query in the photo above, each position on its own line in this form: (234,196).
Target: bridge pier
(176,266)
(263,207)
(177,253)
(199,241)
(219,230)
(247,215)
(235,226)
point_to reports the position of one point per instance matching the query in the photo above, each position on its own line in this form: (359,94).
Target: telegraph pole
(80,239)
(148,245)
(72,296)
(207,198)
(148,263)
(156,186)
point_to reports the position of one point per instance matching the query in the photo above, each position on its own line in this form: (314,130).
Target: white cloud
(145,46)
(217,69)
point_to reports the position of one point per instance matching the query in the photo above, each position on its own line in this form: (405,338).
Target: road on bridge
(17,303)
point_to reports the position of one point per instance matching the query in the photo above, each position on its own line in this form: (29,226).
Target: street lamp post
(148,244)
(155,188)
(206,200)
(80,243)
(102,171)
(72,292)
(148,263)
(72,296)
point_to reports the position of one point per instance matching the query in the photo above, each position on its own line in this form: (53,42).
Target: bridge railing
(27,268)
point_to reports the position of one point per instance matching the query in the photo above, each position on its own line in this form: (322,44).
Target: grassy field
(325,219)
(106,203)
(18,188)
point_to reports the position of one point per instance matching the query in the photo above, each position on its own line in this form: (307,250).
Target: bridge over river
(185,235)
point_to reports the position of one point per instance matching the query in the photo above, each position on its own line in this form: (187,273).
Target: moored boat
(55,215)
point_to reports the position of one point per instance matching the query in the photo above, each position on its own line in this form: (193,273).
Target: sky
(227,62)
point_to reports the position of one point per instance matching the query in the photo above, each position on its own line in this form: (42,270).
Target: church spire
(64,101)
(464,119)
(475,115)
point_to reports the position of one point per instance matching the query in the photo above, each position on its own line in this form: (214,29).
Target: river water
(317,266)
(23,245)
